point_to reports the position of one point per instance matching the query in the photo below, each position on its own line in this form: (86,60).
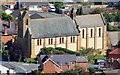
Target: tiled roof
(2,7)
(28,3)
(115,51)
(63,59)
(114,37)
(81,59)
(90,20)
(53,27)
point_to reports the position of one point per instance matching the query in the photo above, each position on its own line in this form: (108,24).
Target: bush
(76,71)
(91,71)
(57,50)
(30,60)
(79,11)
(67,51)
(112,28)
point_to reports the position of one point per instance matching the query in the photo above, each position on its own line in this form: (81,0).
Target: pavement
(20,67)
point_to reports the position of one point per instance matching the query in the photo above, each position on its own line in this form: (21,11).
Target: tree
(79,11)
(5,16)
(58,5)
(5,52)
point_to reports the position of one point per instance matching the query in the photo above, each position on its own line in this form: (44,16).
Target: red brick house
(8,31)
(59,63)
(115,57)
(115,54)
(82,61)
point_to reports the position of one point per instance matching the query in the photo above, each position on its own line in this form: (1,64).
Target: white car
(51,8)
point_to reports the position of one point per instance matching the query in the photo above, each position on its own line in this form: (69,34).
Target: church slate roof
(90,20)
(36,16)
(16,13)
(53,27)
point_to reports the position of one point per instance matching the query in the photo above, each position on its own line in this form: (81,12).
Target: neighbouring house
(113,38)
(87,31)
(8,31)
(59,63)
(5,9)
(39,6)
(82,61)
(9,4)
(114,55)
(5,70)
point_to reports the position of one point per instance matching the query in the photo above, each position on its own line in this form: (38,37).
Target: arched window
(49,41)
(83,32)
(26,21)
(91,32)
(62,39)
(38,42)
(73,39)
(99,32)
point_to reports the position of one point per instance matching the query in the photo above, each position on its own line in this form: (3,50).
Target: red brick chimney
(9,23)
(5,30)
(51,53)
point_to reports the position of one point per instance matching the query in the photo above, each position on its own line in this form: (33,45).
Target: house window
(83,32)
(72,62)
(91,32)
(50,41)
(26,21)
(99,32)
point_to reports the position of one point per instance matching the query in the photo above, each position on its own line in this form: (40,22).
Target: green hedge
(67,51)
(30,60)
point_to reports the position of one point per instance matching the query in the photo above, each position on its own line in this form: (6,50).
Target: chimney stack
(5,30)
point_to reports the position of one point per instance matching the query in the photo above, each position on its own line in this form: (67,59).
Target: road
(20,67)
